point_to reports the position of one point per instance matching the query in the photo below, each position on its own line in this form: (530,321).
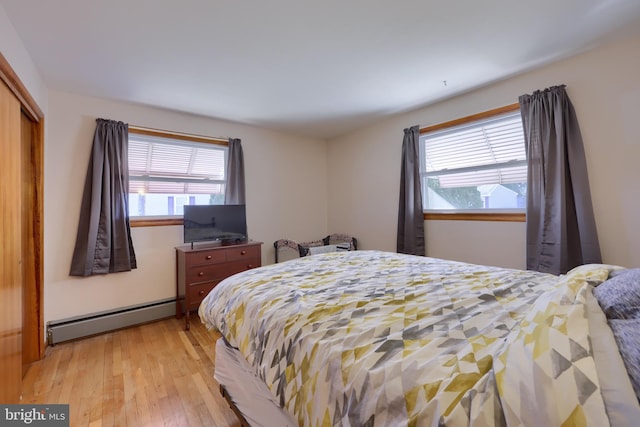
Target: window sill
(154,222)
(476,216)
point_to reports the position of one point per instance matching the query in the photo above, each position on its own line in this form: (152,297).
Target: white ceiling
(317,68)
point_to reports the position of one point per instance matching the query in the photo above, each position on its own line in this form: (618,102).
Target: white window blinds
(489,151)
(172,166)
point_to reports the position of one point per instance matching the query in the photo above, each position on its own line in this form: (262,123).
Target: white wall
(15,53)
(604,86)
(286,197)
(488,243)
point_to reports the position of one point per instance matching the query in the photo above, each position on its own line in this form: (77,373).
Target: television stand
(199,269)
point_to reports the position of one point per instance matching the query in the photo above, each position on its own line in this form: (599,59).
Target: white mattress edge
(250,395)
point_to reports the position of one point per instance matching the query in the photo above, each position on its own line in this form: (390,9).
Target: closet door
(10,247)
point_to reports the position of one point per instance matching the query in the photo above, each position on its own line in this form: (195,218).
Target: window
(168,171)
(475,164)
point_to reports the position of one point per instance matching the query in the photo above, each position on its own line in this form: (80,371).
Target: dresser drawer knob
(208,257)
(201,293)
(243,252)
(201,274)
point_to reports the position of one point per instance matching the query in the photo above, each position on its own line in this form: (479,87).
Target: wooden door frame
(33,296)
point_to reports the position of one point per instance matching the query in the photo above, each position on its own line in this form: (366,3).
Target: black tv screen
(227,223)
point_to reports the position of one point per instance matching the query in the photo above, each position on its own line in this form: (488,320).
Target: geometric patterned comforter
(369,338)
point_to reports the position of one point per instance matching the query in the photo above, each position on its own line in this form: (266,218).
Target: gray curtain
(103,242)
(561,230)
(234,193)
(410,217)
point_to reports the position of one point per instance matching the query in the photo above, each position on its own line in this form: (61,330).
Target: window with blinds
(167,173)
(477,165)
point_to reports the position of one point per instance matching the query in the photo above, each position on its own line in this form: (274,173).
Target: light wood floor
(149,375)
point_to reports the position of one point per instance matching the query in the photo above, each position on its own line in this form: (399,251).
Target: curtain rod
(177,135)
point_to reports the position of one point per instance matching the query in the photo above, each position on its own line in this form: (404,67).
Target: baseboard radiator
(83,326)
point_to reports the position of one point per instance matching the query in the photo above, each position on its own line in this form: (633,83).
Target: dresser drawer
(205,258)
(203,273)
(220,271)
(234,267)
(234,254)
(198,292)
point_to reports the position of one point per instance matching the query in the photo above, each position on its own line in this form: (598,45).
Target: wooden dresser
(201,268)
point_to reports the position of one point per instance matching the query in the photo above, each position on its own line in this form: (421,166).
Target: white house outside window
(167,173)
(476,166)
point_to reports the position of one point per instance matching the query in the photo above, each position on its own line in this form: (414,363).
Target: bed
(370,338)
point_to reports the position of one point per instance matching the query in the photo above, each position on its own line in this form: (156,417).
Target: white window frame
(177,139)
(489,214)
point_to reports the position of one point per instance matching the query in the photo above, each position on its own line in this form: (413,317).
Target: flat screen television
(226,223)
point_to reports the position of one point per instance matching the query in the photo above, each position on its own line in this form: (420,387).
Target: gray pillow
(627,334)
(619,296)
